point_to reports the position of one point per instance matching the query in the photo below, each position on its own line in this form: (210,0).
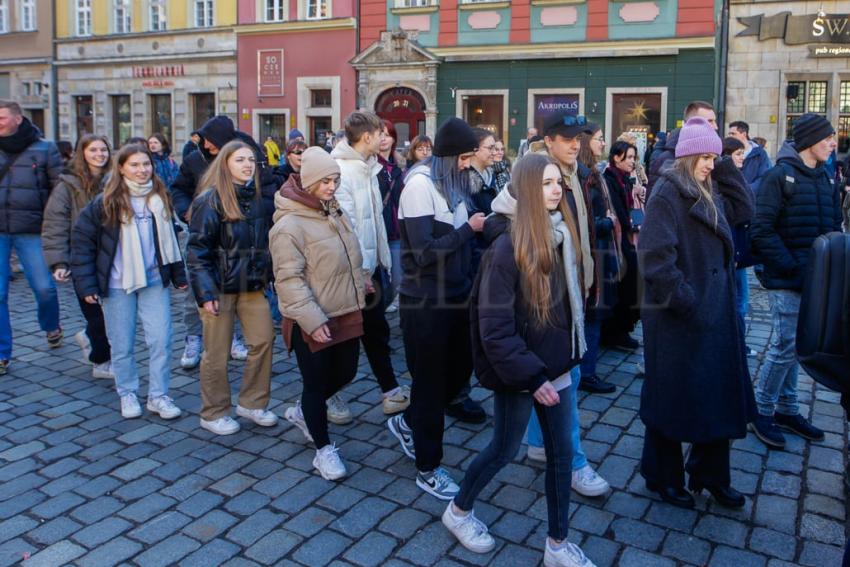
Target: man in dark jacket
(796,203)
(696,108)
(756,160)
(29,168)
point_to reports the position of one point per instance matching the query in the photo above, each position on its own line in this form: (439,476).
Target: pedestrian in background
(272,151)
(164,167)
(420,148)
(291,159)
(391,183)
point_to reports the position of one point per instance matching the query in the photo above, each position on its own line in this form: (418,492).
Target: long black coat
(697,386)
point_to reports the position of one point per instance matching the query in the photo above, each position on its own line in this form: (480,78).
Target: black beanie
(454,137)
(809,129)
(218,130)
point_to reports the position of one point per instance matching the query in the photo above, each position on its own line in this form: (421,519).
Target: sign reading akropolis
(796,30)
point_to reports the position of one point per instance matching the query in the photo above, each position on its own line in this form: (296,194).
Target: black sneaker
(765,429)
(467,411)
(54,338)
(595,385)
(798,425)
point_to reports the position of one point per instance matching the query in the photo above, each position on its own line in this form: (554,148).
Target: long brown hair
(702,190)
(531,234)
(117,207)
(219,179)
(79,167)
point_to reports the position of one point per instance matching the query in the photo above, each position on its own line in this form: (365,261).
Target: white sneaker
(222,426)
(470,531)
(130,407)
(587,483)
(295,416)
(536,454)
(639,368)
(258,416)
(328,463)
(238,350)
(192,352)
(164,406)
(103,370)
(397,402)
(567,555)
(338,411)
(437,483)
(392,307)
(85,345)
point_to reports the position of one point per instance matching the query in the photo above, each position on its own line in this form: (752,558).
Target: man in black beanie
(796,203)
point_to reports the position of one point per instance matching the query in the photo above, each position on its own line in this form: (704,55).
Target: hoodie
(756,164)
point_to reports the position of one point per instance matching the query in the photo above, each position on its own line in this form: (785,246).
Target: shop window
(203,13)
(122,121)
(158,21)
(319,128)
(36,116)
(485,111)
(203,108)
(809,96)
(4,16)
(123,13)
(544,103)
(275,10)
(27,15)
(83,17)
(274,125)
(84,110)
(844,117)
(320,98)
(638,113)
(160,113)
(317,9)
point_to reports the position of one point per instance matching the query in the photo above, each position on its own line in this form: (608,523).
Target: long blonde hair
(219,179)
(117,207)
(531,234)
(702,190)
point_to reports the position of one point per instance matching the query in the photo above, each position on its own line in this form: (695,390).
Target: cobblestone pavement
(80,485)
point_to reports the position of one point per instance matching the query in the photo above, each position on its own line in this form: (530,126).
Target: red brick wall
(520,21)
(448,22)
(373,20)
(696,18)
(597,20)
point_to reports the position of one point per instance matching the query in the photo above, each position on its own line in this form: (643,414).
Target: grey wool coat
(697,386)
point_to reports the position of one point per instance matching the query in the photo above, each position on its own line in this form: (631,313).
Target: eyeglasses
(491,149)
(599,138)
(575,120)
(297,152)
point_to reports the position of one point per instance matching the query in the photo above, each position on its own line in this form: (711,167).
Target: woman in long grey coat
(697,387)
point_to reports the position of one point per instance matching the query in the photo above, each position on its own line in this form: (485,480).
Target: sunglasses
(575,120)
(297,152)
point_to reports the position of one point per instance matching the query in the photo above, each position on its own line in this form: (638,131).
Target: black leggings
(95,331)
(324,373)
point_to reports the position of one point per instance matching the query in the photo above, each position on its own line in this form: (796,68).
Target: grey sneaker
(238,350)
(103,370)
(192,352)
(437,483)
(338,411)
(398,427)
(83,342)
(294,415)
(328,463)
(130,407)
(164,406)
(565,555)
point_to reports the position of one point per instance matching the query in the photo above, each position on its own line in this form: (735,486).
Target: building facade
(785,59)
(293,69)
(505,66)
(132,68)
(26,45)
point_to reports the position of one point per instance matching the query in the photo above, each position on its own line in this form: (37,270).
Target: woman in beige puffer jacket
(320,289)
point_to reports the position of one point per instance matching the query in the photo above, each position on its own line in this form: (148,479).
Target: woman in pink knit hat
(697,387)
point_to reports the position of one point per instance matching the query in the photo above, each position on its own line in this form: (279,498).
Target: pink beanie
(698,137)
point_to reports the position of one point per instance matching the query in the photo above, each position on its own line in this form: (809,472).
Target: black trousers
(626,312)
(376,334)
(323,373)
(95,331)
(439,357)
(663,464)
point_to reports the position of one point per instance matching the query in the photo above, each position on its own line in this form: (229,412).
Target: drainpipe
(54,78)
(356,53)
(724,59)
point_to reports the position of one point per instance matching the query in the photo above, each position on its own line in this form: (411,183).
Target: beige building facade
(786,59)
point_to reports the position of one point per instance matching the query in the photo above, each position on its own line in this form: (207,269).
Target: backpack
(823,327)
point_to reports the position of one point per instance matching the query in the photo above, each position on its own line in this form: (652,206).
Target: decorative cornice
(298,26)
(414,10)
(484,6)
(197,56)
(557,2)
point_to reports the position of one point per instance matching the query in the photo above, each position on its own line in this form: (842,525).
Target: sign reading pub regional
(796,30)
(270,72)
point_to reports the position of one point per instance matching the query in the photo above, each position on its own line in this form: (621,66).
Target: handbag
(342,328)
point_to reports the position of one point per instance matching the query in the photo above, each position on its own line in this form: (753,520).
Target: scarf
(561,237)
(572,181)
(26,135)
(133,273)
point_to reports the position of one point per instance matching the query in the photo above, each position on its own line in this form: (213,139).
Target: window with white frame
(811,96)
(478,1)
(414,3)
(204,13)
(275,10)
(317,9)
(4,16)
(83,17)
(123,13)
(28,17)
(158,20)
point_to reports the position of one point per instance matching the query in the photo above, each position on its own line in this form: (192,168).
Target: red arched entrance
(405,108)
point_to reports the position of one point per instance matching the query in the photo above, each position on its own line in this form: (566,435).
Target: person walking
(29,169)
(756,160)
(272,151)
(526,307)
(391,183)
(229,267)
(436,235)
(321,291)
(797,202)
(697,385)
(164,167)
(77,186)
(291,159)
(525,144)
(124,255)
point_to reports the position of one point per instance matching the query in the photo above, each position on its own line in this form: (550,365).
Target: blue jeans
(535,436)
(510,414)
(742,288)
(592,332)
(777,384)
(152,305)
(41,282)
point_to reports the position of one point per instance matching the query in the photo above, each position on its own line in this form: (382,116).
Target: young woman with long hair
(526,309)
(391,183)
(697,386)
(164,167)
(420,148)
(229,268)
(78,185)
(124,254)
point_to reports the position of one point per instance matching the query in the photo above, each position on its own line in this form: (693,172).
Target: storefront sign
(162,71)
(270,72)
(829,51)
(157,84)
(796,30)
(547,105)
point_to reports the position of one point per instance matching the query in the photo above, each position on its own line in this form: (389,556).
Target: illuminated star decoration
(638,111)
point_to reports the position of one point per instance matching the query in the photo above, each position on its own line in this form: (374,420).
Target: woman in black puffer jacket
(230,266)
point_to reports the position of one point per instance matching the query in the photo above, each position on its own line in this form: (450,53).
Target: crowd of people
(515,272)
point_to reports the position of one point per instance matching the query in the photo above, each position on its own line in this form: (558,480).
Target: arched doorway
(405,108)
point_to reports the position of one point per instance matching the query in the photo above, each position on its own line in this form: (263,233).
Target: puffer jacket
(316,259)
(224,256)
(93,249)
(359,195)
(165,167)
(786,225)
(60,215)
(26,187)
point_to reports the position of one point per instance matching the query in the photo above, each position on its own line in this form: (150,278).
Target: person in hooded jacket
(320,288)
(193,143)
(796,203)
(164,167)
(697,385)
(526,309)
(230,266)
(756,160)
(78,185)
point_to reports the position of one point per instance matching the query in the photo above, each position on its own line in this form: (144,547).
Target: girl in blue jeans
(526,312)
(124,254)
